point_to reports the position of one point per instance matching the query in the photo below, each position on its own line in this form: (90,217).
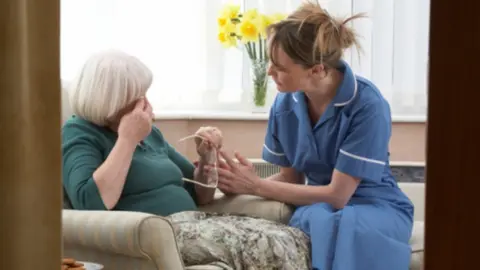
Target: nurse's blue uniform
(372,231)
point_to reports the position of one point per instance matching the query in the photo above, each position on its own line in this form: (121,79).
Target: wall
(407,143)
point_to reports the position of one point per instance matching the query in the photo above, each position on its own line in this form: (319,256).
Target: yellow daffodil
(227,14)
(250,26)
(222,21)
(274,18)
(248,30)
(227,40)
(267,20)
(251,14)
(226,35)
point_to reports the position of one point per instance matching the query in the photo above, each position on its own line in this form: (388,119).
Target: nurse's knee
(315,213)
(321,209)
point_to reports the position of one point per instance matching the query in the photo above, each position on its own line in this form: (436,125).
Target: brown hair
(311,36)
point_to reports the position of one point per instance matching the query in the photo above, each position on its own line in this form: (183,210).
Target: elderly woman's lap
(239,241)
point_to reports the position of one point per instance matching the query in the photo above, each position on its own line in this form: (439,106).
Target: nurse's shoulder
(284,102)
(369,99)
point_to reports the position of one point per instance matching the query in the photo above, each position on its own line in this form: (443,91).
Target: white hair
(107,83)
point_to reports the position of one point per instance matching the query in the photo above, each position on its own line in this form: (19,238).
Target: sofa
(132,240)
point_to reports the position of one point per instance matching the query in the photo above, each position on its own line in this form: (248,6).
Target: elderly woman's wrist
(126,143)
(203,159)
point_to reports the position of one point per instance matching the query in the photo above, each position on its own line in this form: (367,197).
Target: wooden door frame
(452,220)
(30,156)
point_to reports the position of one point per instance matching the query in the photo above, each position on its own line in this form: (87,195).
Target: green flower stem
(260,81)
(260,47)
(259,61)
(249,50)
(265,51)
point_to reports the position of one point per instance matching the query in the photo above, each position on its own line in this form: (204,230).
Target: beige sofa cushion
(250,205)
(417,241)
(416,193)
(417,244)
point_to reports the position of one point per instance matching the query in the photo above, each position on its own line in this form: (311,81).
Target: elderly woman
(115,159)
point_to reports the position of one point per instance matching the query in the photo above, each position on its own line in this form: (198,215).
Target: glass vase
(260,82)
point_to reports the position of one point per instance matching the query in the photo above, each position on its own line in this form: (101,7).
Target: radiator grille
(402,171)
(265,169)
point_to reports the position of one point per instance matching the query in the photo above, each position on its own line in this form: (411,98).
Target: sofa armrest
(251,206)
(130,234)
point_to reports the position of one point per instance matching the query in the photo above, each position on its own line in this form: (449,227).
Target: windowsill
(211,115)
(249,116)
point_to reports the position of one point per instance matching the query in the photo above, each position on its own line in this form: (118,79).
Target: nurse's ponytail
(311,36)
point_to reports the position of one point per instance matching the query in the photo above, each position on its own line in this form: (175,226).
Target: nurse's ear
(318,71)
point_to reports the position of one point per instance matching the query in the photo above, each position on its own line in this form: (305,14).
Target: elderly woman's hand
(137,124)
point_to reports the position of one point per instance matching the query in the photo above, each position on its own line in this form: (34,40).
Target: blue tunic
(372,231)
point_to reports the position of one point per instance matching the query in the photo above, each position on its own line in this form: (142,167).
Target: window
(395,50)
(178,41)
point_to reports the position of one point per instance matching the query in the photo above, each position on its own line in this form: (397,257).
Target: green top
(154,181)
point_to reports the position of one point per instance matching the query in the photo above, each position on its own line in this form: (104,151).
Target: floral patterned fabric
(234,242)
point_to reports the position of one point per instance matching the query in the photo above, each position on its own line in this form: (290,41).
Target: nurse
(331,127)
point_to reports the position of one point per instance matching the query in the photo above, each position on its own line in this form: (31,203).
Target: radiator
(263,168)
(403,171)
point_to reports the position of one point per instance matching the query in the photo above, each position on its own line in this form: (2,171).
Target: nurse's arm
(337,193)
(288,175)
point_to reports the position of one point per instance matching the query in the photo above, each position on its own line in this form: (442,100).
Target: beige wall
(407,143)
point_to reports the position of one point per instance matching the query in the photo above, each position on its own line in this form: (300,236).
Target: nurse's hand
(239,178)
(222,165)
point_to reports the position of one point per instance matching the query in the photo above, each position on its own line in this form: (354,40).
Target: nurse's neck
(322,92)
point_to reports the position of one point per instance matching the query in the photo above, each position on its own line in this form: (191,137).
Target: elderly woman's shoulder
(76,126)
